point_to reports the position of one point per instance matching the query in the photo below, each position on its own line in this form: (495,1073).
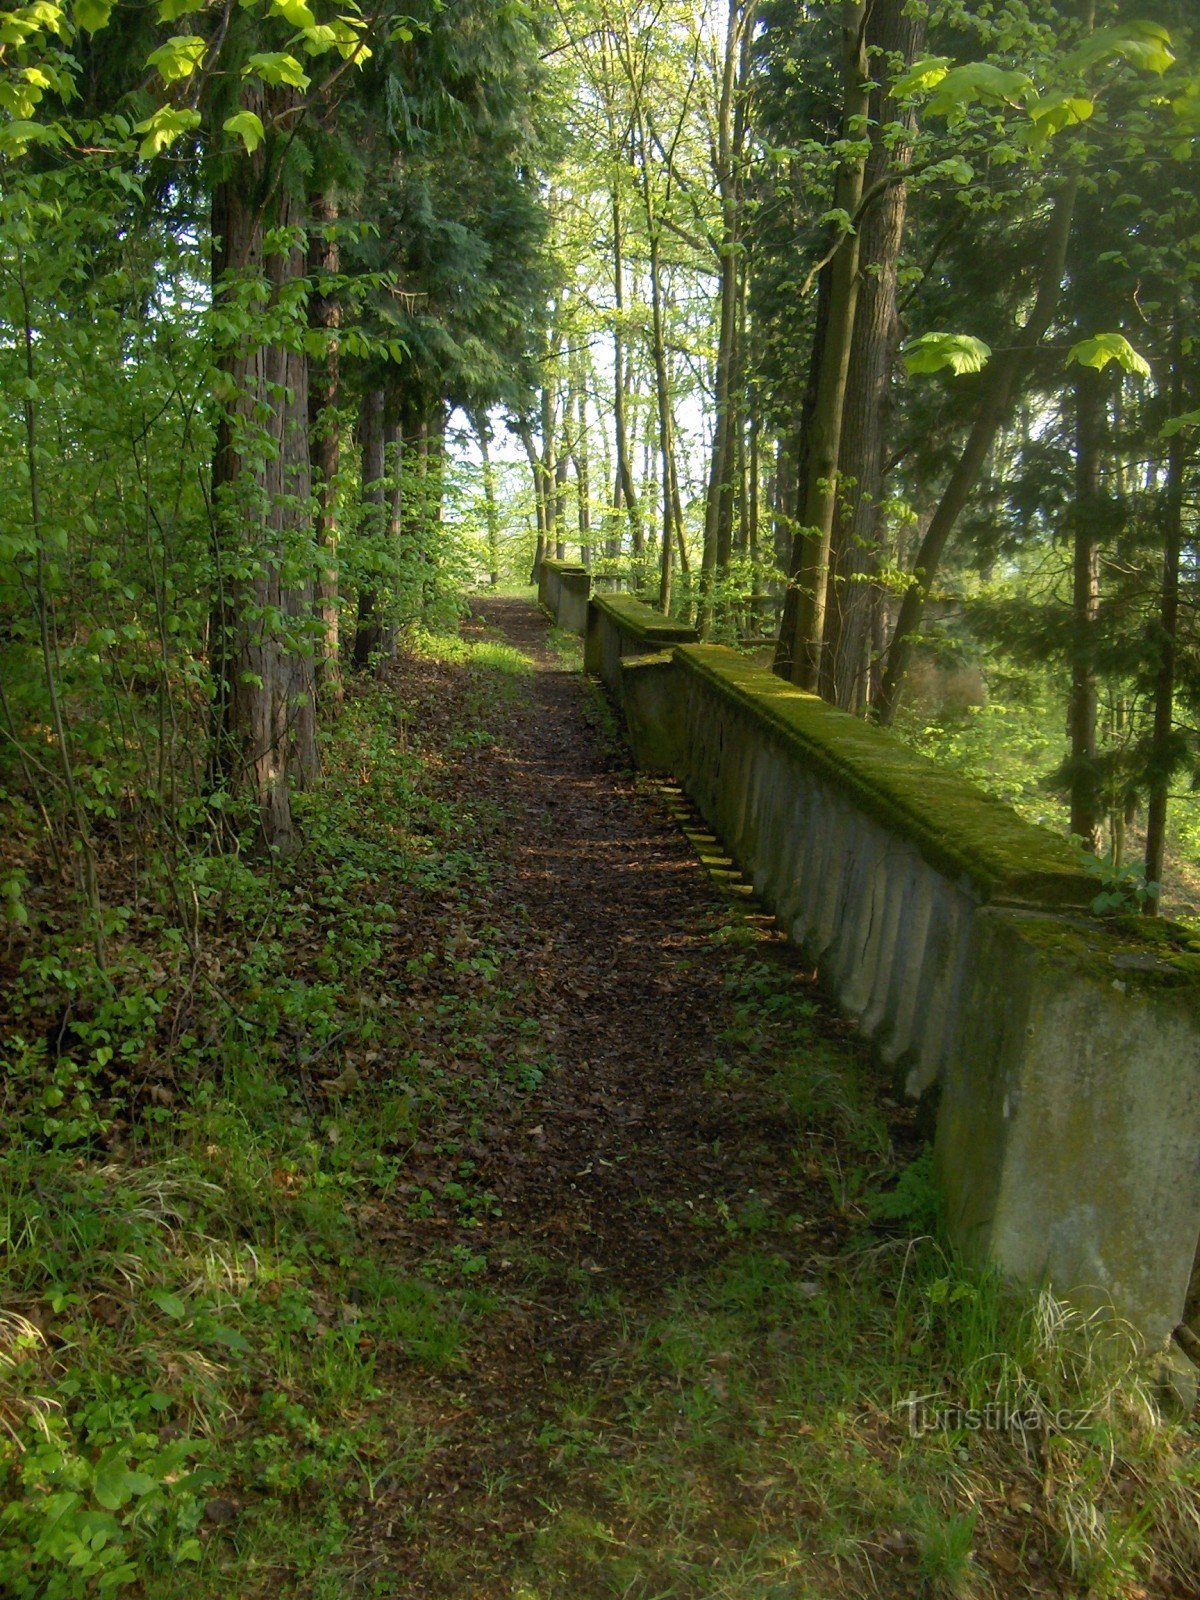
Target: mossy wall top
(956,827)
(642,622)
(564,567)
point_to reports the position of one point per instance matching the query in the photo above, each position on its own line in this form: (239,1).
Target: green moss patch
(956,827)
(642,621)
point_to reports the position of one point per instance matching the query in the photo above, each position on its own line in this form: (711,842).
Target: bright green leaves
(276,67)
(921,77)
(1105,347)
(178,58)
(1145,45)
(294,12)
(954,89)
(940,352)
(161,129)
(1181,424)
(247,127)
(978,83)
(92,15)
(172,10)
(17,136)
(342,36)
(1051,113)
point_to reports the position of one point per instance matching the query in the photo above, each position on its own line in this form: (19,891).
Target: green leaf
(921,77)
(92,15)
(1174,425)
(246,126)
(231,1339)
(275,67)
(1105,347)
(178,58)
(935,352)
(170,1304)
(296,12)
(172,10)
(1142,44)
(111,1485)
(978,81)
(1053,112)
(163,128)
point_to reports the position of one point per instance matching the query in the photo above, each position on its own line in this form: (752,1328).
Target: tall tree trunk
(264,733)
(730,138)
(820,488)
(793,475)
(373,529)
(623,491)
(562,468)
(324,394)
(525,433)
(483,435)
(999,382)
(1162,738)
(854,556)
(582,470)
(1085,607)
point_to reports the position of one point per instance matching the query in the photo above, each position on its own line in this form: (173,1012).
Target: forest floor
(503,1215)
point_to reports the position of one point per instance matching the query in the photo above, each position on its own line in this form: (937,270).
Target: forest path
(620,1174)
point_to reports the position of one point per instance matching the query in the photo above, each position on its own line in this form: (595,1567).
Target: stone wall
(1062,1053)
(563,592)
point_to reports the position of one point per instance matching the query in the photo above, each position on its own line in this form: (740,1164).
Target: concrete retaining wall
(1063,1052)
(618,627)
(563,592)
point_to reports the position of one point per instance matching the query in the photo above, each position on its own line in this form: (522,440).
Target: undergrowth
(243,1243)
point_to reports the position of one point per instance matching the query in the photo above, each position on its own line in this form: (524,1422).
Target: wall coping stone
(643,621)
(956,827)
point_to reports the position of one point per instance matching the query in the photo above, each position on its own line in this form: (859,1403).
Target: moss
(1137,952)
(954,825)
(642,621)
(562,568)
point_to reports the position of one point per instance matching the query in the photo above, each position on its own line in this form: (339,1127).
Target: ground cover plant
(306,1292)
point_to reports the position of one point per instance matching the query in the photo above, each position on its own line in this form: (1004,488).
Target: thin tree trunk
(623,490)
(1085,608)
(1163,733)
(368,634)
(999,383)
(324,393)
(491,509)
(525,433)
(582,471)
(824,443)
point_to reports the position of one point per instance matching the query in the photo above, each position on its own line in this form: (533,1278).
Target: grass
(249,1268)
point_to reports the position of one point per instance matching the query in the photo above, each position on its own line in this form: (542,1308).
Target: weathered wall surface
(1064,1052)
(563,593)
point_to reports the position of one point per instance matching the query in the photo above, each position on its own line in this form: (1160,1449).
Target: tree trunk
(373,528)
(491,510)
(324,394)
(264,733)
(525,433)
(1162,745)
(1085,607)
(1007,370)
(820,488)
(854,556)
(582,471)
(623,491)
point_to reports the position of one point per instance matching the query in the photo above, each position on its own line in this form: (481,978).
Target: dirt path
(603,1169)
